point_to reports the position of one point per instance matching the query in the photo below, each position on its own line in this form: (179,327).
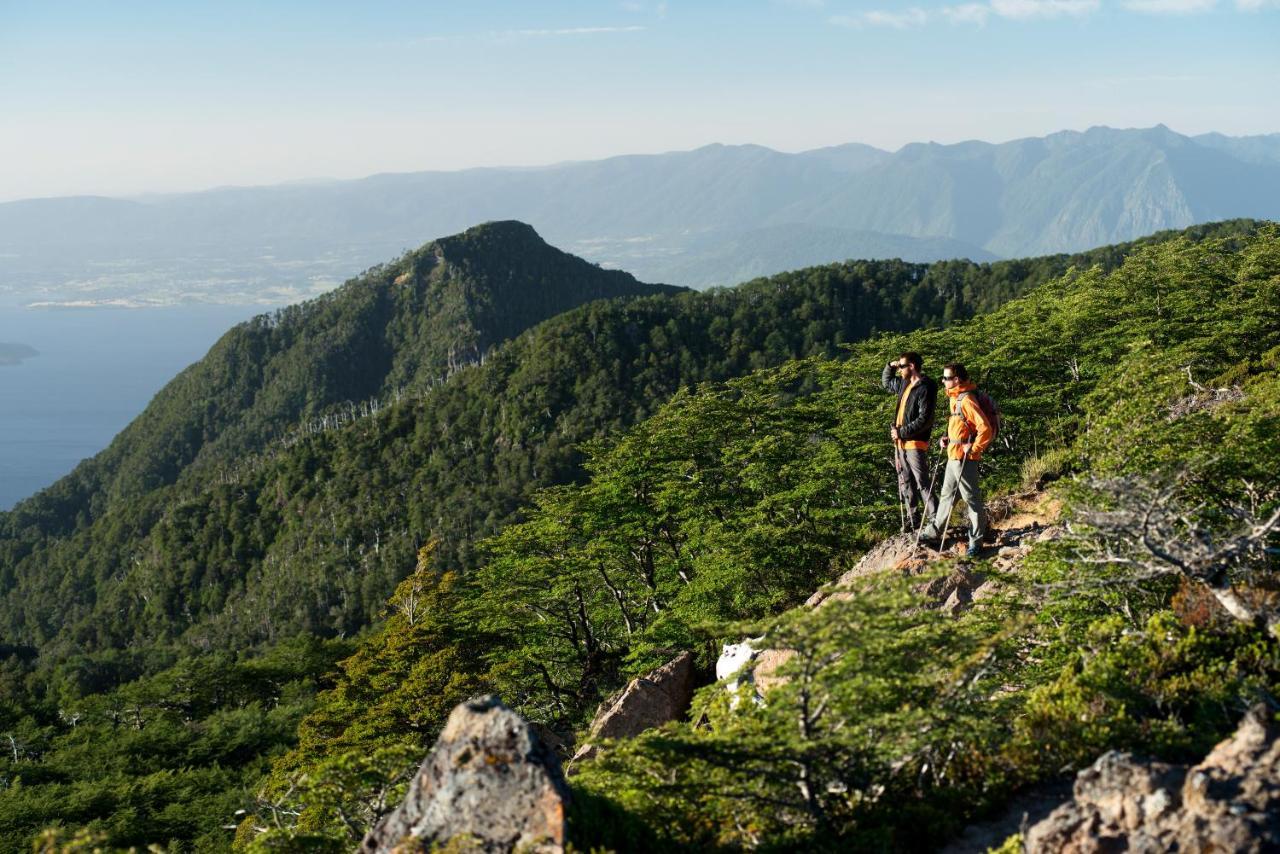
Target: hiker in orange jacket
(969,432)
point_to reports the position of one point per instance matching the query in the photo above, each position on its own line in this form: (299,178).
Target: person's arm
(981,424)
(889,379)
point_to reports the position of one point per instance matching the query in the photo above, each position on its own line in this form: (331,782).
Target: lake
(96,370)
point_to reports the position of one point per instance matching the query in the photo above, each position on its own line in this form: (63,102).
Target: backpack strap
(959,410)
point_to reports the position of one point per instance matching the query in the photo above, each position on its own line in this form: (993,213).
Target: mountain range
(716,215)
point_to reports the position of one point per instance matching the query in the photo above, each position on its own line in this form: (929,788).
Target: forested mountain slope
(180,529)
(1149,392)
(399,328)
(158,656)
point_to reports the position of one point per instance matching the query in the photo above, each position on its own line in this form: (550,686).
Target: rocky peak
(1229,802)
(489,784)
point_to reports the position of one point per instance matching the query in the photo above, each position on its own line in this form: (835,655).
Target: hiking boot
(973,548)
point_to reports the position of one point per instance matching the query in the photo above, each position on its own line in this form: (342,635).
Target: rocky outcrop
(647,702)
(766,671)
(900,552)
(489,784)
(956,590)
(1229,802)
(1018,522)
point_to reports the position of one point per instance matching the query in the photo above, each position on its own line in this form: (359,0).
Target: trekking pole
(925,503)
(902,514)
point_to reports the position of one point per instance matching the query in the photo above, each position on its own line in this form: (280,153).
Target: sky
(126,98)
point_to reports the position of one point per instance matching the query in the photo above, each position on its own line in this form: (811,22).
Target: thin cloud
(1170,7)
(1257,5)
(967,13)
(1109,82)
(906,19)
(977,13)
(980,13)
(1026,9)
(635,7)
(568,31)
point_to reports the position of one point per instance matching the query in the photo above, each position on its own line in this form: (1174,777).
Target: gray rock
(647,702)
(488,782)
(1229,802)
(953,592)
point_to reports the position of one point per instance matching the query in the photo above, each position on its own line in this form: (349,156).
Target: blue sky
(127,97)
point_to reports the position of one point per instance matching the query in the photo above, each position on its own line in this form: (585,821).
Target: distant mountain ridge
(399,328)
(696,218)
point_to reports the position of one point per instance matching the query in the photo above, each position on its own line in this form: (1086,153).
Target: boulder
(647,702)
(954,591)
(1229,802)
(489,783)
(899,552)
(765,672)
(1235,791)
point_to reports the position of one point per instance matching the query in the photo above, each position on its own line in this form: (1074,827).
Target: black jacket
(917,421)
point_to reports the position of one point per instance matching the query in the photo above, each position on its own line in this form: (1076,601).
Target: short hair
(913,358)
(956,370)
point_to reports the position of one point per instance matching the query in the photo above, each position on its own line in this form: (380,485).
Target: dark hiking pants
(962,478)
(913,485)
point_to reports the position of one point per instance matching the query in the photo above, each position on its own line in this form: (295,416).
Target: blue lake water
(97,369)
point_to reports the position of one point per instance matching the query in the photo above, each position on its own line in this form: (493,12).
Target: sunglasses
(946,378)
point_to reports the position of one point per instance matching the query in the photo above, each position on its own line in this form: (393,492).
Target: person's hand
(943,441)
(964,449)
(893,434)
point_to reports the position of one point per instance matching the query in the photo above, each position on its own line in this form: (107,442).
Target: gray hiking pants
(913,485)
(961,477)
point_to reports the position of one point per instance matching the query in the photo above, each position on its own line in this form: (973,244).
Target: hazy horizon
(146,97)
(323,179)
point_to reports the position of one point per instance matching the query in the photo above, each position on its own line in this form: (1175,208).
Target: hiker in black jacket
(912,425)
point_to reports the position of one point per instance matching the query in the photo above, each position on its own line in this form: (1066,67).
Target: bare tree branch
(1150,530)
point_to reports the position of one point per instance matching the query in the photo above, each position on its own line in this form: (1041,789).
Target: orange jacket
(958,427)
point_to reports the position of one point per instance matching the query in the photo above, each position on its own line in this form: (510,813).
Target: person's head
(953,373)
(910,364)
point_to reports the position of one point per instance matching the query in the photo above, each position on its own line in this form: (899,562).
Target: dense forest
(220,518)
(716,517)
(172,608)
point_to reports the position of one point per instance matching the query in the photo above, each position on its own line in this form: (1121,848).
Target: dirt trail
(1017,522)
